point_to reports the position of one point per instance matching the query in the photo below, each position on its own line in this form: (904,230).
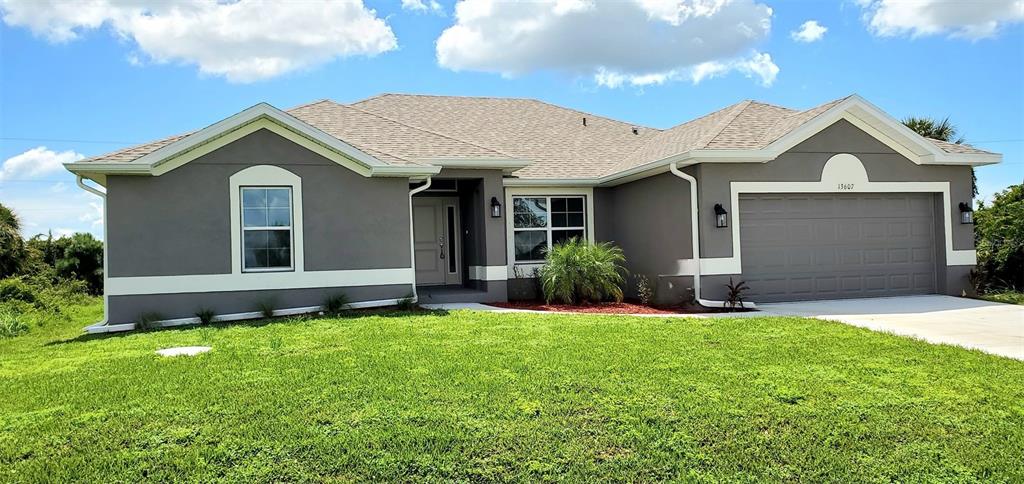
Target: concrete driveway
(991,327)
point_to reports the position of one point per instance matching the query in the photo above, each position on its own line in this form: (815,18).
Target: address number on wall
(845,186)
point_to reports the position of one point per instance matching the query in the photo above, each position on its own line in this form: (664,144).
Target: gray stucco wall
(179,223)
(125,309)
(650,220)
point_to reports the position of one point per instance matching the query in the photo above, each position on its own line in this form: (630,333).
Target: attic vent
(636,130)
(584,121)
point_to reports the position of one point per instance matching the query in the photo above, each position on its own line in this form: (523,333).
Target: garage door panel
(826,246)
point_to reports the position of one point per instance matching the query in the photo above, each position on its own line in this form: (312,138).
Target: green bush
(11,323)
(205,315)
(999,234)
(148,321)
(15,289)
(580,272)
(336,303)
(407,303)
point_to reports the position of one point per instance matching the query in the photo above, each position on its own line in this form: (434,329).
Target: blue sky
(114,84)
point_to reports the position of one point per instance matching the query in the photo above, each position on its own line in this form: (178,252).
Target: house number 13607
(846,186)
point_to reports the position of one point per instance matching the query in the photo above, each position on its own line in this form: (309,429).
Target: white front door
(436,235)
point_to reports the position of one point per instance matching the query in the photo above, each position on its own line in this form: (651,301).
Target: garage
(797,247)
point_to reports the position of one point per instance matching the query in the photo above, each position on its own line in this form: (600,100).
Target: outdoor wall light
(495,207)
(966,214)
(721,216)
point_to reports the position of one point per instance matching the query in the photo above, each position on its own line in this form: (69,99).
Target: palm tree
(12,245)
(943,131)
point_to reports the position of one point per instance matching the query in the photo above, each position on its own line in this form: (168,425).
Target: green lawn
(1008,297)
(474,396)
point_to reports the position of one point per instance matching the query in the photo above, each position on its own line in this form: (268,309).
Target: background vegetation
(41,276)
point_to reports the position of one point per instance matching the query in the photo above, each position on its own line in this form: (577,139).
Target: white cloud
(957,18)
(809,31)
(421,6)
(639,42)
(758,66)
(36,162)
(59,187)
(243,41)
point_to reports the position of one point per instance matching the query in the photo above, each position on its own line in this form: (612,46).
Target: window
(540,222)
(266,228)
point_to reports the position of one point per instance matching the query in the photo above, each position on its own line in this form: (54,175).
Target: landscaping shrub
(644,289)
(266,307)
(579,272)
(205,315)
(336,303)
(147,321)
(407,303)
(734,297)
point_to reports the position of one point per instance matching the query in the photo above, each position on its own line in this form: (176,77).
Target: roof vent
(584,121)
(636,130)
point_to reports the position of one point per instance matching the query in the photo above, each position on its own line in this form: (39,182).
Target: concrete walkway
(991,327)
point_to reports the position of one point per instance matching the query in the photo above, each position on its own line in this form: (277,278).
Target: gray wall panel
(652,226)
(178,223)
(125,309)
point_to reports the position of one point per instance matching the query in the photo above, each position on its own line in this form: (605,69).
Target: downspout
(412,238)
(694,222)
(106,302)
(695,240)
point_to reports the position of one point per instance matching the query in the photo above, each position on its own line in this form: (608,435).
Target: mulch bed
(607,308)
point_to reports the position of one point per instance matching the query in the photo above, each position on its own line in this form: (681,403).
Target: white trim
(506,165)
(488,273)
(842,169)
(125,286)
(256,176)
(116,328)
(586,192)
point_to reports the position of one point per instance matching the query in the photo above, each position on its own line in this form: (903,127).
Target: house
(456,199)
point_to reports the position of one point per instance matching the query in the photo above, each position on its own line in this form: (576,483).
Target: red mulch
(604,308)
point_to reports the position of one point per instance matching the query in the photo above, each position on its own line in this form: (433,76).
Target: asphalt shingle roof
(406,129)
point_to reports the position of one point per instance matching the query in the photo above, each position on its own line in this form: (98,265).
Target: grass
(480,397)
(1008,297)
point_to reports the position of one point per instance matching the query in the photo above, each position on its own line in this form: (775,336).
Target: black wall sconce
(721,216)
(966,214)
(495,207)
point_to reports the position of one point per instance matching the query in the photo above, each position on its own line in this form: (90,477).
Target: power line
(61,140)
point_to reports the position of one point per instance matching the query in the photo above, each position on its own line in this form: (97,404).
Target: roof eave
(506,165)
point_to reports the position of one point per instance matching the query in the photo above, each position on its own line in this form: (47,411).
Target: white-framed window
(266,228)
(539,222)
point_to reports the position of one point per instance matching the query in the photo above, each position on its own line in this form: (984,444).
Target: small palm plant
(734,298)
(579,272)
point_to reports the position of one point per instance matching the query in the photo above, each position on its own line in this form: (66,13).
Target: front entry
(436,236)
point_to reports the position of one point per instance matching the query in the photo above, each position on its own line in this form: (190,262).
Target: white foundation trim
(510,192)
(488,273)
(127,286)
(115,328)
(843,173)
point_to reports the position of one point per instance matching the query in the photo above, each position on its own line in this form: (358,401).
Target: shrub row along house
(456,199)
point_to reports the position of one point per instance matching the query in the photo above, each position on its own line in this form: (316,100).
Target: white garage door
(829,246)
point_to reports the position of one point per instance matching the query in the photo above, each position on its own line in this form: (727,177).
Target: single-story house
(456,199)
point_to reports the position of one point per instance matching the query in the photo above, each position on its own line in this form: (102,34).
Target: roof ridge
(795,113)
(596,116)
(385,94)
(701,142)
(720,127)
(425,130)
(306,105)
